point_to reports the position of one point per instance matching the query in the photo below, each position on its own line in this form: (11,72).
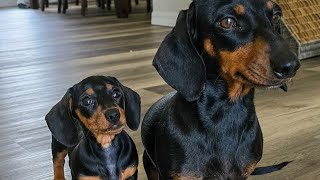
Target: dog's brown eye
(87,101)
(116,94)
(276,19)
(228,23)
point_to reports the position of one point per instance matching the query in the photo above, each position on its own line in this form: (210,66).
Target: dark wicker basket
(301,26)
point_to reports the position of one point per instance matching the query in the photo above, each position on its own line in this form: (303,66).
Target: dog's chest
(217,164)
(110,162)
(209,152)
(222,158)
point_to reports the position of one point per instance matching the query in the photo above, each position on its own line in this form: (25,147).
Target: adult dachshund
(216,55)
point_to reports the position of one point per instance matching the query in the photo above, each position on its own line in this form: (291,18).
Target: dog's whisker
(215,81)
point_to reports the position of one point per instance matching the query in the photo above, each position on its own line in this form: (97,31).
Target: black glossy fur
(205,130)
(68,119)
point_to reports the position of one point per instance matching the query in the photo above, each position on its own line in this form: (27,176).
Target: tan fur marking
(252,61)
(100,126)
(105,140)
(96,122)
(90,91)
(89,178)
(270,5)
(58,165)
(109,86)
(208,47)
(128,173)
(239,9)
(249,169)
(236,90)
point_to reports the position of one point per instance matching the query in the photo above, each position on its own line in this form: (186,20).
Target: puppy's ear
(61,123)
(132,107)
(178,61)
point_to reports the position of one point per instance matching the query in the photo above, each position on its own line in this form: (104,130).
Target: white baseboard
(164,18)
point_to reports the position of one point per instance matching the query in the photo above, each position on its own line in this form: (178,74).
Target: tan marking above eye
(109,86)
(270,5)
(239,9)
(90,91)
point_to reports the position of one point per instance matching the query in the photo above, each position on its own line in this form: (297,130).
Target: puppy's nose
(287,70)
(113,115)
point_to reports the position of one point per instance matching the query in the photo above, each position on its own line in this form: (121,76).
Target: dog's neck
(98,141)
(104,157)
(216,106)
(236,90)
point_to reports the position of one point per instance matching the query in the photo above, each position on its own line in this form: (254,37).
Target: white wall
(165,12)
(6,3)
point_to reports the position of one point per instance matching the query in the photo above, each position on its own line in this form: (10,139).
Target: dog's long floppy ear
(132,107)
(178,61)
(60,122)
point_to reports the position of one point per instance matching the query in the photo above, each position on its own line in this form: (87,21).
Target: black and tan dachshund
(87,124)
(216,55)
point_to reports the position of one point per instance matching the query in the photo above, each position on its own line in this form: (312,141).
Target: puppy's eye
(276,19)
(116,94)
(228,23)
(87,101)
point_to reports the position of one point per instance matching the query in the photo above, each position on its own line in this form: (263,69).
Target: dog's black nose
(113,115)
(287,70)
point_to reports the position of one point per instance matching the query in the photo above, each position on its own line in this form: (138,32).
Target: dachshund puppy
(215,56)
(87,124)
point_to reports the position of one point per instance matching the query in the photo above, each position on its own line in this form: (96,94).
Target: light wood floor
(42,54)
